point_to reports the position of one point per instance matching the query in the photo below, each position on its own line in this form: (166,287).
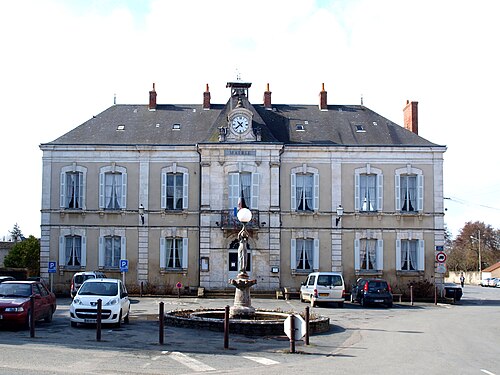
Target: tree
(25,254)
(464,252)
(16,233)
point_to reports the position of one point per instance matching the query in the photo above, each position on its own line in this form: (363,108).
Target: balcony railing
(230,221)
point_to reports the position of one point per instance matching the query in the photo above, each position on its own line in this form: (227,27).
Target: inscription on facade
(239,152)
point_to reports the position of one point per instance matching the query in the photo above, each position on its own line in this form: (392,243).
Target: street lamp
(340,213)
(478,239)
(244,216)
(141,213)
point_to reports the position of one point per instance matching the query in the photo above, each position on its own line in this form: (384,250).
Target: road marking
(487,372)
(192,363)
(261,360)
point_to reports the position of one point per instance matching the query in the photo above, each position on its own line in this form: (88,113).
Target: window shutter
(380,192)
(421,255)
(185,191)
(356,192)
(356,254)
(420,192)
(163,190)
(233,190)
(255,191)
(123,203)
(101,190)
(316,255)
(316,192)
(293,254)
(123,249)
(185,243)
(380,255)
(101,252)
(163,254)
(83,261)
(81,184)
(62,252)
(398,255)
(293,192)
(397,195)
(62,199)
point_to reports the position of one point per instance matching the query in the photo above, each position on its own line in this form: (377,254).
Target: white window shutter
(356,192)
(83,261)
(62,251)
(81,180)
(380,255)
(293,192)
(123,203)
(101,252)
(185,191)
(293,254)
(398,255)
(101,190)
(123,254)
(356,255)
(185,243)
(62,199)
(316,255)
(397,191)
(163,190)
(316,192)
(420,192)
(255,191)
(233,192)
(380,192)
(421,255)
(163,253)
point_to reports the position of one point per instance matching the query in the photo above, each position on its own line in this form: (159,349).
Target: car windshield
(377,285)
(98,289)
(79,279)
(15,290)
(329,280)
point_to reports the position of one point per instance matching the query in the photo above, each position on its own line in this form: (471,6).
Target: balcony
(229,221)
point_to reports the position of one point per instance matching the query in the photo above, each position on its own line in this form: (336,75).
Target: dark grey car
(372,291)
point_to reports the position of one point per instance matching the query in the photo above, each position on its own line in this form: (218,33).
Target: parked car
(452,290)
(15,303)
(493,282)
(372,291)
(323,287)
(6,278)
(485,282)
(114,298)
(79,277)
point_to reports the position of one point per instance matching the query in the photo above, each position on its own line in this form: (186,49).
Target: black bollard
(99,320)
(142,287)
(435,295)
(226,327)
(411,294)
(307,326)
(161,319)
(292,334)
(31,317)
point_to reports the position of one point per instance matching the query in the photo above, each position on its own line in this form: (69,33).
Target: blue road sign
(52,267)
(123,265)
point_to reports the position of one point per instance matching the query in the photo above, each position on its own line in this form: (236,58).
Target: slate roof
(346,125)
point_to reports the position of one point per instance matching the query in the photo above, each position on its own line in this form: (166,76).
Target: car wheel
(27,322)
(352,298)
(126,320)
(362,302)
(48,318)
(74,324)
(301,298)
(119,322)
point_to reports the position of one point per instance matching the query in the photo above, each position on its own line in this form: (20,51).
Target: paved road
(420,339)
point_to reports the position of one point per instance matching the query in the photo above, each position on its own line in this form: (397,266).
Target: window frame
(82,180)
(379,188)
(420,254)
(314,253)
(304,170)
(164,253)
(111,232)
(113,169)
(409,171)
(234,189)
(174,170)
(72,232)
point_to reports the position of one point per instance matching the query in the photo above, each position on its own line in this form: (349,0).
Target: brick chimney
(322,99)
(152,99)
(206,99)
(410,112)
(267,98)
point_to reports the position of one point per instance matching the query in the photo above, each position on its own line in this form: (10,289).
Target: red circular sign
(441,257)
(179,285)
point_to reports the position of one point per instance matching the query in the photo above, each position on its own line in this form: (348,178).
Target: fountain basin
(262,323)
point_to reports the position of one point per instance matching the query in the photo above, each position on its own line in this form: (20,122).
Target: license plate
(378,301)
(90,320)
(324,294)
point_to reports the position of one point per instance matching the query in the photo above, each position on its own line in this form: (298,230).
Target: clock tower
(240,119)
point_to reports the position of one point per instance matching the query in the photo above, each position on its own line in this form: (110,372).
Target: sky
(64,61)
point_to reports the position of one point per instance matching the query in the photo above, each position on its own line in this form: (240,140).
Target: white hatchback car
(323,287)
(114,299)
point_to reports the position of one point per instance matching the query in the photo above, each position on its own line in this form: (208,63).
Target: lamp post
(340,213)
(478,239)
(141,213)
(244,216)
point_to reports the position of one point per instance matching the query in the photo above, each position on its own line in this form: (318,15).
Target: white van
(323,287)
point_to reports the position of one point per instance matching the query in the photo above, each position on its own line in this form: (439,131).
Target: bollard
(162,322)
(226,327)
(307,326)
(292,334)
(142,287)
(411,294)
(435,295)
(31,317)
(99,319)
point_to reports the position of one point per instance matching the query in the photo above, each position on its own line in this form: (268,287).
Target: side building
(330,187)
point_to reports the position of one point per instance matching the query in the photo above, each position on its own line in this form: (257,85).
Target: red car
(15,302)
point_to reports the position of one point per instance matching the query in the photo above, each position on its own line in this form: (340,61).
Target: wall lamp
(340,213)
(141,213)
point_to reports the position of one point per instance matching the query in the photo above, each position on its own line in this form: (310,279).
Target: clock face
(240,124)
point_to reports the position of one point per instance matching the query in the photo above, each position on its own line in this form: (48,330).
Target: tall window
(113,188)
(304,189)
(174,188)
(112,251)
(173,253)
(73,251)
(72,189)
(409,255)
(368,189)
(243,190)
(368,254)
(409,187)
(304,254)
